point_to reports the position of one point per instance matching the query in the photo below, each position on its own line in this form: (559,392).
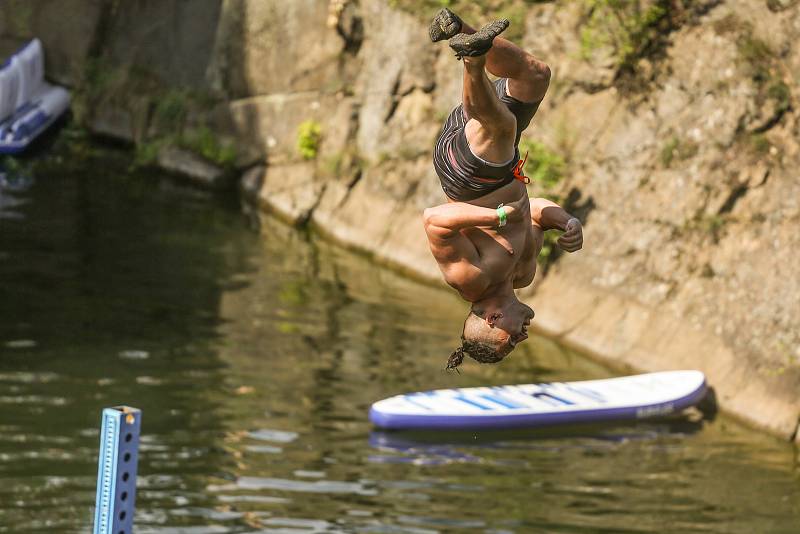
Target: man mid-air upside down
(487,237)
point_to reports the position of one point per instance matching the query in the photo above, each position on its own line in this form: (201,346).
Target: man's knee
(538,72)
(533,83)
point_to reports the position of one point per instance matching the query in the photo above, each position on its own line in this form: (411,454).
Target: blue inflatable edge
(15,147)
(497,422)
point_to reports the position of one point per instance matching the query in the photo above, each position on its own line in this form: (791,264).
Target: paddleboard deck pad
(535,405)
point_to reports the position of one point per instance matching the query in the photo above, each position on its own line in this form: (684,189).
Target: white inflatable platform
(28,104)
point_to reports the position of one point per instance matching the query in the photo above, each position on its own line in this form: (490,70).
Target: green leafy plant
(309,137)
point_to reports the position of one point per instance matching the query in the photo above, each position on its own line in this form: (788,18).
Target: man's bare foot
(478,43)
(445,25)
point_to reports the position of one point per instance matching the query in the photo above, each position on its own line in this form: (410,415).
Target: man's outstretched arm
(550,216)
(447,219)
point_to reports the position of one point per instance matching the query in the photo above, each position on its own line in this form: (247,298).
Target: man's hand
(572,238)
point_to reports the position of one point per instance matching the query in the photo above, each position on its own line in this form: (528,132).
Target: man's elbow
(545,73)
(536,209)
(434,223)
(428,216)
(539,71)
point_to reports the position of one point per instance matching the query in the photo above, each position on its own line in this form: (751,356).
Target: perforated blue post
(116,470)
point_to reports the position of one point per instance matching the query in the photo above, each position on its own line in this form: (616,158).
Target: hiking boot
(445,25)
(478,43)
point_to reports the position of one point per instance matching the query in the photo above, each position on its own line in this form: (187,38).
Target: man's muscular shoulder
(469,280)
(459,263)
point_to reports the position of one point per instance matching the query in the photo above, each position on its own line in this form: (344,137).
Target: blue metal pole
(116,470)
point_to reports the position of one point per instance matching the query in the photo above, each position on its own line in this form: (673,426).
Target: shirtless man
(487,237)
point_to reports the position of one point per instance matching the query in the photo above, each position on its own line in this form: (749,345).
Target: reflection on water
(445,447)
(255,356)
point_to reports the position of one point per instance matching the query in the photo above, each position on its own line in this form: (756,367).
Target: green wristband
(501,213)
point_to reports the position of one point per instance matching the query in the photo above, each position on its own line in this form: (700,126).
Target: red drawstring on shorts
(518,173)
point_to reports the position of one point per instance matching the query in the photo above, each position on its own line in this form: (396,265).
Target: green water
(255,353)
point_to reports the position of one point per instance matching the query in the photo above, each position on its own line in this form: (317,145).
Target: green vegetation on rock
(544,166)
(779,91)
(163,116)
(630,27)
(309,136)
(678,149)
(710,225)
(201,141)
(759,144)
(147,152)
(98,81)
(756,54)
(515,13)
(171,109)
(764,67)
(346,162)
(204,142)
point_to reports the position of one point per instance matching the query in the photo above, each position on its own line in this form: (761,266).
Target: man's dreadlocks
(480,352)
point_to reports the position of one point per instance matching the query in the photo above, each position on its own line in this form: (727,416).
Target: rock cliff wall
(670,128)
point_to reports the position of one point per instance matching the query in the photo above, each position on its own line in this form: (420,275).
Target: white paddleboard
(535,405)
